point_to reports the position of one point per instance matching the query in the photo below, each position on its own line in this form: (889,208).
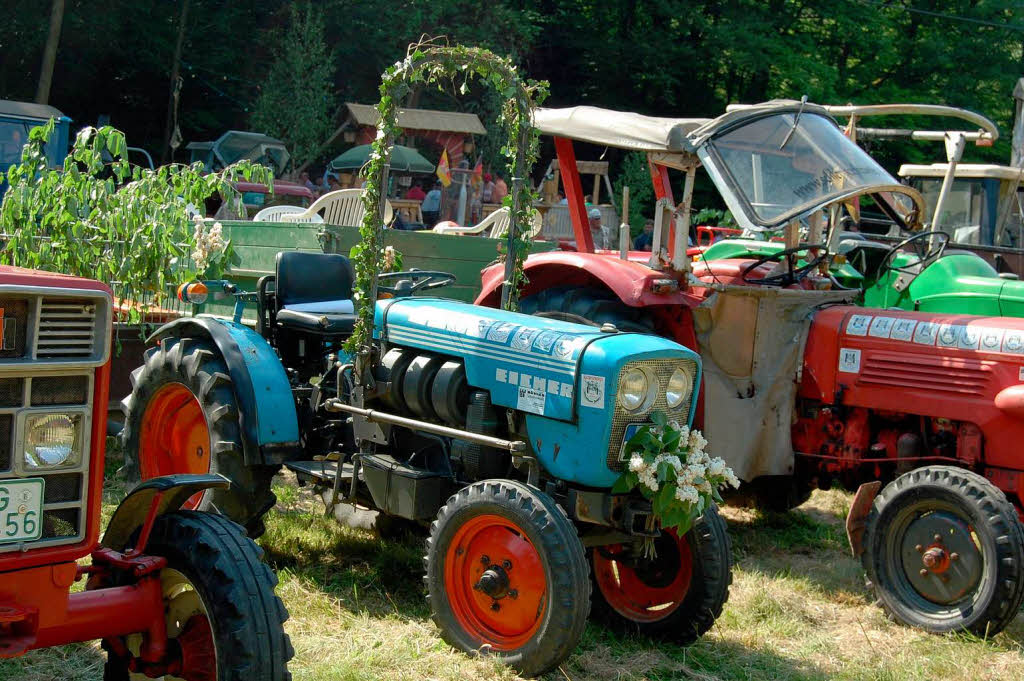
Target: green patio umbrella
(403,160)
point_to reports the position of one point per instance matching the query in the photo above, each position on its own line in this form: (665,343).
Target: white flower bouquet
(671,467)
(211,252)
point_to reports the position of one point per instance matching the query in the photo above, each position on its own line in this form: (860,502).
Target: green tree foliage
(635,175)
(296,104)
(101,218)
(665,58)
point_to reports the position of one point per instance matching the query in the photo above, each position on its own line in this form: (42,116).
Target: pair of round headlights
(638,388)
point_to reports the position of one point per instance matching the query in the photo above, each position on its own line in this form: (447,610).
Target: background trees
(240,61)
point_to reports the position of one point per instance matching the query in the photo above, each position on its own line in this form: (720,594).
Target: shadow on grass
(604,654)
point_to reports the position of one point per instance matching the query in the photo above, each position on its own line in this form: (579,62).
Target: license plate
(21,504)
(631,430)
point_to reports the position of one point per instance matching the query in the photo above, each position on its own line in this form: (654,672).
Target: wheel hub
(941,558)
(494,582)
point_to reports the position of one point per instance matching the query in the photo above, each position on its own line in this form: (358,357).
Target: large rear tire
(222,616)
(592,306)
(507,575)
(182,417)
(678,595)
(944,551)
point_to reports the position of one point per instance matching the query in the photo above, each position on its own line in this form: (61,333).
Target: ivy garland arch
(431,64)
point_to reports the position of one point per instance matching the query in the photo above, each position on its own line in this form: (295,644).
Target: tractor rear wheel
(223,620)
(182,417)
(675,596)
(507,575)
(944,551)
(586,306)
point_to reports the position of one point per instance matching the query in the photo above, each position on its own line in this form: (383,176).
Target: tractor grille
(927,372)
(53,340)
(662,369)
(67,328)
(65,490)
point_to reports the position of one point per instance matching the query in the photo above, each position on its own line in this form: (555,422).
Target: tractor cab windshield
(784,165)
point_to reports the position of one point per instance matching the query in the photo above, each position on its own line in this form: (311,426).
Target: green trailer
(258,243)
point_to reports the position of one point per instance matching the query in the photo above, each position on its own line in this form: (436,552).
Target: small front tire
(944,551)
(675,596)
(506,575)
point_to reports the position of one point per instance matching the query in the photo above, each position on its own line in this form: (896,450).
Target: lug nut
(495,606)
(954,556)
(513,594)
(485,559)
(507,564)
(938,538)
(919,548)
(924,573)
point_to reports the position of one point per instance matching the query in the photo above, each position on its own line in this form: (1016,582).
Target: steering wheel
(920,244)
(414,281)
(793,273)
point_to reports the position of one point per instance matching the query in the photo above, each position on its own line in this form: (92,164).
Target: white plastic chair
(492,226)
(277,213)
(343,207)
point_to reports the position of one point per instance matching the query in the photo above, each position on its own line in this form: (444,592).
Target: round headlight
(679,386)
(633,387)
(51,440)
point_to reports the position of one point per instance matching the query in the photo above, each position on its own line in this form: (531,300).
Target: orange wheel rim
(645,592)
(175,437)
(495,582)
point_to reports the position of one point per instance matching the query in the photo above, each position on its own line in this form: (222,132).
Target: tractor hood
(529,363)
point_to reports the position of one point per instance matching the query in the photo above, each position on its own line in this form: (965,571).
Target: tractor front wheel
(944,551)
(507,575)
(224,622)
(182,417)
(676,595)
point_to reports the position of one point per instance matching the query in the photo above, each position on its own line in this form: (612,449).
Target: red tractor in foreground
(172,594)
(800,388)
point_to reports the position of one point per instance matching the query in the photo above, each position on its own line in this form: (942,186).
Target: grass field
(798,611)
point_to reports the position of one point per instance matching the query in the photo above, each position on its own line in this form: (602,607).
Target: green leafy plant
(102,218)
(670,467)
(713,217)
(439,65)
(635,175)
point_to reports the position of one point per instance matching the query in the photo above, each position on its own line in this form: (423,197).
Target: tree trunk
(175,71)
(50,52)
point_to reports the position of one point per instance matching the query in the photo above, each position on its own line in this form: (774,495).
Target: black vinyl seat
(314,293)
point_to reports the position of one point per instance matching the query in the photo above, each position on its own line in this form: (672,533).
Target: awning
(420,119)
(43,112)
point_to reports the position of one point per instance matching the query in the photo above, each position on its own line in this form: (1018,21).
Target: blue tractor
(499,431)
(500,434)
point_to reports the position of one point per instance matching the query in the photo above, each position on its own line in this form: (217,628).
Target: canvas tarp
(752,342)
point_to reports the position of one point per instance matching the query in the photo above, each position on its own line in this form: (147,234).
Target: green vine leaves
(434,64)
(102,218)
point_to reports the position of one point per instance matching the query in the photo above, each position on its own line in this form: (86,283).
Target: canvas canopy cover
(238,145)
(620,129)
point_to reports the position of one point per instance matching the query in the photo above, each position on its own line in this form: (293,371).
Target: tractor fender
(632,282)
(174,490)
(270,426)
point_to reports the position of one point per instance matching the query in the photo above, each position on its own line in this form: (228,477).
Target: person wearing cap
(597,231)
(487,191)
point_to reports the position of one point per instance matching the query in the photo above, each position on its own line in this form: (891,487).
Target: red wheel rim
(495,582)
(175,437)
(645,593)
(198,652)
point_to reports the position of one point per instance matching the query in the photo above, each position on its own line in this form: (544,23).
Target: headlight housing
(53,441)
(680,383)
(637,389)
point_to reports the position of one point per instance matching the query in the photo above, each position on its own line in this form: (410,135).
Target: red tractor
(171,593)
(800,388)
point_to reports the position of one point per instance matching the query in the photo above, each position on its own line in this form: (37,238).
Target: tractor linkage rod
(336,405)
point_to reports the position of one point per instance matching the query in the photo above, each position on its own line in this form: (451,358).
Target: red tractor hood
(19,276)
(959,367)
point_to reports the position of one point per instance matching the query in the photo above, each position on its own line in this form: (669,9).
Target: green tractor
(918,273)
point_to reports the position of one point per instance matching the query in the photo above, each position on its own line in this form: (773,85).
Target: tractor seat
(314,293)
